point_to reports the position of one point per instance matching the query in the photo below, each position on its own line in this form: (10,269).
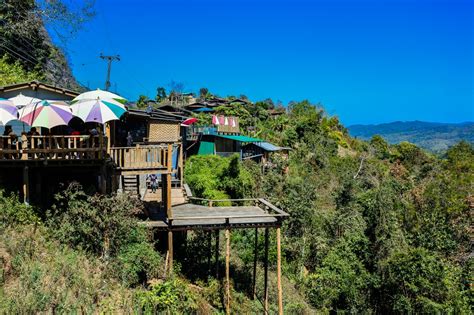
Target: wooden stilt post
(280,292)
(209,253)
(26,185)
(216,249)
(265,280)
(170,252)
(227,270)
(255,257)
(103,179)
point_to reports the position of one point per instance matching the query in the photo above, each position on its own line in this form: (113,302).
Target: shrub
(137,261)
(98,224)
(13,212)
(172,296)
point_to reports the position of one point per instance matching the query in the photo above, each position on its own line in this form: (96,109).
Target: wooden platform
(190,216)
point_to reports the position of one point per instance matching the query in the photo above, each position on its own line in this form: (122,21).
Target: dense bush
(13,212)
(214,177)
(98,224)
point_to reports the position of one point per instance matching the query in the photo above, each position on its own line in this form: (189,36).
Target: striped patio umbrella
(8,111)
(98,110)
(47,114)
(21,100)
(99,94)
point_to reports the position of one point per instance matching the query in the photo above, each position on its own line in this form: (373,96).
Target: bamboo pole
(170,251)
(280,292)
(26,185)
(255,257)
(227,271)
(265,281)
(209,254)
(217,254)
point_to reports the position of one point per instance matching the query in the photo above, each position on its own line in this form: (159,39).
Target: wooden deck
(31,148)
(81,149)
(146,159)
(190,216)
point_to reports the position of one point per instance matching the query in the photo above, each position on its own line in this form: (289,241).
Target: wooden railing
(270,209)
(141,157)
(53,147)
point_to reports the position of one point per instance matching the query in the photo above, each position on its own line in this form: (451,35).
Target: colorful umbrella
(21,100)
(98,110)
(8,111)
(47,114)
(188,122)
(99,94)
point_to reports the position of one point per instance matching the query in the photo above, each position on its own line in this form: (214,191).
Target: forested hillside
(26,49)
(435,137)
(374,228)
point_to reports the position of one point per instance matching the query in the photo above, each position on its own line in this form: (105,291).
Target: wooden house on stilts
(119,160)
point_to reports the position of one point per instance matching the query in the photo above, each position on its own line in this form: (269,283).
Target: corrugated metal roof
(267,146)
(241,138)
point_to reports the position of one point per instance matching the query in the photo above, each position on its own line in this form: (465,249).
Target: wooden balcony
(145,159)
(218,214)
(60,148)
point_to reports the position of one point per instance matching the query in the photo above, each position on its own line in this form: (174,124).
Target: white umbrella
(100,94)
(21,100)
(98,110)
(8,111)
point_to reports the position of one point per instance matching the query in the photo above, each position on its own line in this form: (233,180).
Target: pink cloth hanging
(215,120)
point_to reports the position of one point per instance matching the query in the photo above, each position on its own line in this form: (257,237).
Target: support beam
(103,179)
(265,280)
(26,185)
(170,252)
(255,258)
(280,292)
(216,259)
(227,271)
(166,194)
(209,253)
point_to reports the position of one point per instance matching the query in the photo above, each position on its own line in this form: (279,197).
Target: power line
(18,55)
(31,57)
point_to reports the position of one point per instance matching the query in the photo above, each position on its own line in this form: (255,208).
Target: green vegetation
(374,227)
(13,72)
(25,45)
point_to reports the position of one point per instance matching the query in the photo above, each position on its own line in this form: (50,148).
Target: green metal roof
(206,148)
(241,138)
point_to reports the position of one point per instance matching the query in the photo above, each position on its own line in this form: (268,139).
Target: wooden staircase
(130,185)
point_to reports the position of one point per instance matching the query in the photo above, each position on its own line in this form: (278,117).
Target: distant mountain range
(435,137)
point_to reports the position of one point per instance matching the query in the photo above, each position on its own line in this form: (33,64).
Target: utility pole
(109,66)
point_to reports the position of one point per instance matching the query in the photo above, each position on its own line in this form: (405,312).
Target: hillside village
(194,203)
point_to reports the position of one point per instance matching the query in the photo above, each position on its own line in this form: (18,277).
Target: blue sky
(365,61)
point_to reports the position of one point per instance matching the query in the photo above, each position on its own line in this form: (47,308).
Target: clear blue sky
(366,61)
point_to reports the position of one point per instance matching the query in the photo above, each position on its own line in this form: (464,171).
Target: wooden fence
(53,147)
(141,157)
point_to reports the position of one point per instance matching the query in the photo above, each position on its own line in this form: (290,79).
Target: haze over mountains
(435,137)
